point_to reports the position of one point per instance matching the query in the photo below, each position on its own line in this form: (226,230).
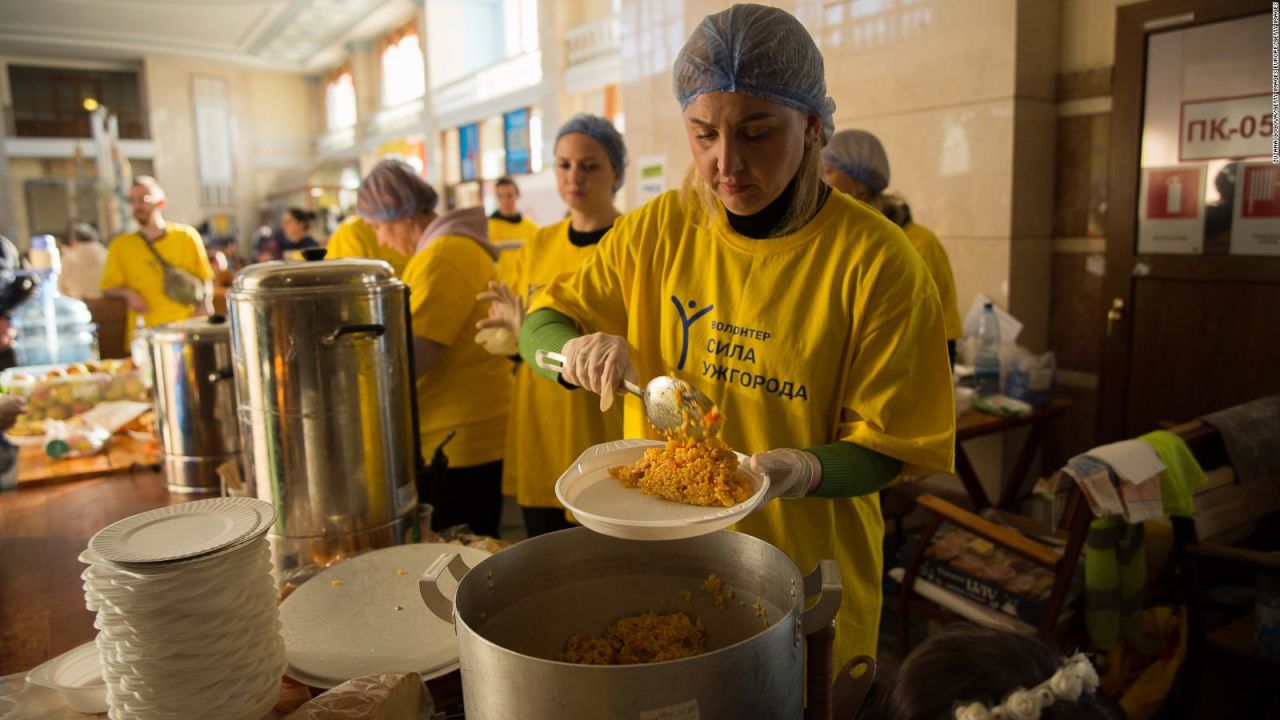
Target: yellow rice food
(638,639)
(695,472)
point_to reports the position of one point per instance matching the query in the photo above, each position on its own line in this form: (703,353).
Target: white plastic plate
(26,440)
(77,674)
(600,502)
(366,616)
(178,531)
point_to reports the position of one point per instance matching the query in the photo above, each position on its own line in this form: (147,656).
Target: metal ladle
(668,401)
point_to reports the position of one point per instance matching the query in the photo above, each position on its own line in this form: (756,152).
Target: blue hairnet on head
(392,190)
(603,132)
(858,154)
(756,50)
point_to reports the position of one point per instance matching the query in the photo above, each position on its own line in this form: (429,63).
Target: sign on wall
(1255,224)
(469,151)
(653,176)
(515,132)
(1171,210)
(1235,127)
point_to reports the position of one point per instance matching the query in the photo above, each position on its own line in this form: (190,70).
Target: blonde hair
(806,199)
(151,185)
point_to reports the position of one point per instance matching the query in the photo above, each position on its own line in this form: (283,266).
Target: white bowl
(77,674)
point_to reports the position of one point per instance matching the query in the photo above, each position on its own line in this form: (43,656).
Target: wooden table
(123,454)
(43,528)
(975,424)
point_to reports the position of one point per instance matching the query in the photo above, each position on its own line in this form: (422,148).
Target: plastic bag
(73,440)
(1031,378)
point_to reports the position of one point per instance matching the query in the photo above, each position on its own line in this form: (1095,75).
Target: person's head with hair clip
(970,672)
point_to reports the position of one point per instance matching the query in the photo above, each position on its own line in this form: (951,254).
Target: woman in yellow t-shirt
(804,315)
(461,388)
(854,163)
(590,162)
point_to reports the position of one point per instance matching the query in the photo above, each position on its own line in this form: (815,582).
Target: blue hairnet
(756,50)
(858,154)
(392,190)
(603,132)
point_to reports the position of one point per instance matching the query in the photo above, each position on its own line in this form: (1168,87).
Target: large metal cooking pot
(195,401)
(516,609)
(322,358)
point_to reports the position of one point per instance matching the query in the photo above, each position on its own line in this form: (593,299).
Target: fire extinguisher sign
(1171,210)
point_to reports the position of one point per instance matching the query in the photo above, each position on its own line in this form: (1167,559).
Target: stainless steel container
(195,401)
(515,610)
(322,363)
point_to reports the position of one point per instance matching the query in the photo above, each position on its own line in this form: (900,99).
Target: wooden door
(1192,290)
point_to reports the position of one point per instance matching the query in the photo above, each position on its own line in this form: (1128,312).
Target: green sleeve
(849,470)
(545,329)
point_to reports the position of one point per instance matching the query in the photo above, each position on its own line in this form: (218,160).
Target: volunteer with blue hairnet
(804,315)
(590,163)
(461,388)
(854,163)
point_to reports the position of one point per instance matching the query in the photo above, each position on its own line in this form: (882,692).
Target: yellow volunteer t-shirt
(935,258)
(509,237)
(468,390)
(834,332)
(130,264)
(535,457)
(354,238)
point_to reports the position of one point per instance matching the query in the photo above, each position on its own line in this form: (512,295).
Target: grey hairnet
(603,132)
(756,50)
(392,190)
(859,154)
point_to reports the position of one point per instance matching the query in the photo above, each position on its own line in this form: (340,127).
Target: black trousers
(542,520)
(467,495)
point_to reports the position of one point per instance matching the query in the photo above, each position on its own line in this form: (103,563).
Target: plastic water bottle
(986,363)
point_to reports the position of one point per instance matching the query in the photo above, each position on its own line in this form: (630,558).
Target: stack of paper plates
(186,606)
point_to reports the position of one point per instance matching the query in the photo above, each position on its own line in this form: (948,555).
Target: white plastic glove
(598,362)
(499,332)
(792,473)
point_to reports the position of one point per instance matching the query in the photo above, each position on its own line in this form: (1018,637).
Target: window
(519,26)
(340,100)
(403,68)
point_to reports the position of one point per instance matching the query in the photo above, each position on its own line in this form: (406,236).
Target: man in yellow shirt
(508,229)
(134,269)
(354,238)
(854,162)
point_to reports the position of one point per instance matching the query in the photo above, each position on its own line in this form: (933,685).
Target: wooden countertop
(43,528)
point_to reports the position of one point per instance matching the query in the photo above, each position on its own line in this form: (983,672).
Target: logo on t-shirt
(687,321)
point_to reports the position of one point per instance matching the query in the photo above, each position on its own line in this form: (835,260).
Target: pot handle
(818,623)
(824,581)
(221,374)
(373,330)
(429,584)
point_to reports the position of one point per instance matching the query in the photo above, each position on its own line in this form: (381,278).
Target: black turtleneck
(513,219)
(761,225)
(586,239)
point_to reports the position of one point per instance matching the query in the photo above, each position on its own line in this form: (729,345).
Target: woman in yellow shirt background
(590,164)
(461,388)
(854,162)
(807,317)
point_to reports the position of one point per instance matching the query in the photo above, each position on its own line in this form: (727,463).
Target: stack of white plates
(186,606)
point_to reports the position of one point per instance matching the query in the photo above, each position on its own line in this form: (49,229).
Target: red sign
(1172,194)
(1260,192)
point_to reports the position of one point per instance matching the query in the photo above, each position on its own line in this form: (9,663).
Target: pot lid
(341,274)
(212,329)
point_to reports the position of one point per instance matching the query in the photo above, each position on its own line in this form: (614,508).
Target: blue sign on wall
(515,126)
(469,151)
